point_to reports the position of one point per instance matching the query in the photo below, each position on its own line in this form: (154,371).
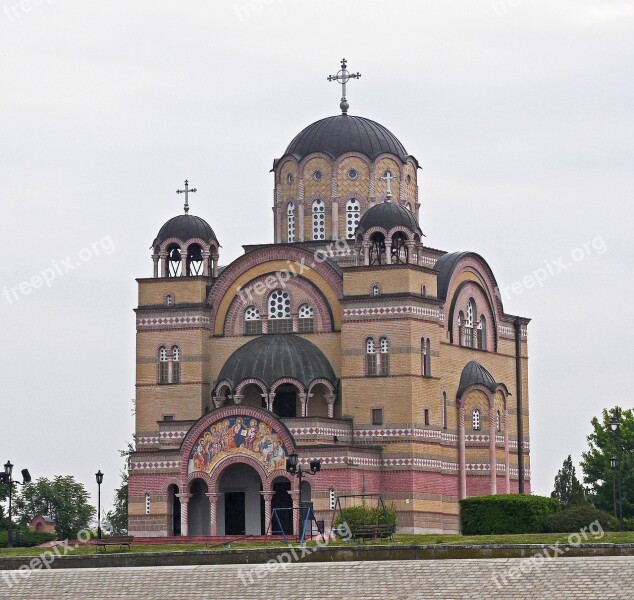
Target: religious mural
(238,435)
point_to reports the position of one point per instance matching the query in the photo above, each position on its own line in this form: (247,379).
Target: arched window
(370,357)
(319,220)
(498,421)
(475,419)
(482,333)
(425,348)
(169,300)
(280,320)
(375,290)
(468,325)
(426,415)
(444,410)
(385,357)
(353,213)
(163,366)
(290,222)
(306,319)
(176,364)
(252,321)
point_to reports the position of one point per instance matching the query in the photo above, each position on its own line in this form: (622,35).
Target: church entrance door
(234,513)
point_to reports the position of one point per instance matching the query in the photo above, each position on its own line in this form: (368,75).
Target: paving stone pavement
(568,578)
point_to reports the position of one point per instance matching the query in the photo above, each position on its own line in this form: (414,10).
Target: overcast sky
(519,111)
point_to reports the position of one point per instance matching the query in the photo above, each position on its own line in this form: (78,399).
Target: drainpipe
(520,419)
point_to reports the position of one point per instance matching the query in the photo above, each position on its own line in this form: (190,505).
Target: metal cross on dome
(342,77)
(186,191)
(388,178)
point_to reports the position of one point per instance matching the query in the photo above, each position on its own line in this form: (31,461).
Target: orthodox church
(348,340)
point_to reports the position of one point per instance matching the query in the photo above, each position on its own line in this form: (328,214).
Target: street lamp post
(613,467)
(7,479)
(615,426)
(294,467)
(99,477)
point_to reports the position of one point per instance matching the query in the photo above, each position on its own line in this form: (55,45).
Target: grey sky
(519,111)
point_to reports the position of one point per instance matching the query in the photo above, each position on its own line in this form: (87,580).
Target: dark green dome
(475,374)
(387,215)
(186,227)
(273,356)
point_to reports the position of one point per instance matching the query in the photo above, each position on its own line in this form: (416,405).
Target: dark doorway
(234,513)
(282,499)
(285,403)
(176,510)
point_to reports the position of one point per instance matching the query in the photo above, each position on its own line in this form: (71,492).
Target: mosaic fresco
(238,435)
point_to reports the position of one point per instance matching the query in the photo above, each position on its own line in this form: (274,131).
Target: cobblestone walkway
(568,578)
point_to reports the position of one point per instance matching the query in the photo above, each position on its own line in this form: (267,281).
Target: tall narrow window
(252,321)
(148,505)
(482,333)
(290,222)
(370,357)
(377,416)
(385,356)
(444,410)
(353,212)
(426,413)
(176,364)
(468,325)
(163,366)
(498,421)
(319,220)
(280,320)
(425,350)
(475,419)
(306,318)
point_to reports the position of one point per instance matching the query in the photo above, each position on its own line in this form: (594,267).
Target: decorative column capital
(184,498)
(238,398)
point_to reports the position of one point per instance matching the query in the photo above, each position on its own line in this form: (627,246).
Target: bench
(372,532)
(114,541)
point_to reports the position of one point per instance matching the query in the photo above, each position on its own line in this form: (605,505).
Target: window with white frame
(482,333)
(280,320)
(169,300)
(148,504)
(385,356)
(252,321)
(353,213)
(370,357)
(176,364)
(425,349)
(498,421)
(163,366)
(475,419)
(468,325)
(306,318)
(375,290)
(290,222)
(319,220)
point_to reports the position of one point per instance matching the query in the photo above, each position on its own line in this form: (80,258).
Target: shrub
(506,513)
(29,538)
(356,516)
(575,518)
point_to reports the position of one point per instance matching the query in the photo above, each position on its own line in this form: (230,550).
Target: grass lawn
(612,537)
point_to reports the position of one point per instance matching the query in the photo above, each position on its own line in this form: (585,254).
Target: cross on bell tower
(342,77)
(388,178)
(186,191)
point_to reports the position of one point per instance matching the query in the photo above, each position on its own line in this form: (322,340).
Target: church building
(347,340)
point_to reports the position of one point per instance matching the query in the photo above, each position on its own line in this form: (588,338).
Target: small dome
(273,356)
(186,227)
(344,133)
(475,374)
(387,215)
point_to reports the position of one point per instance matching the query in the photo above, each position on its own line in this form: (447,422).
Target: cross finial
(388,178)
(186,191)
(342,77)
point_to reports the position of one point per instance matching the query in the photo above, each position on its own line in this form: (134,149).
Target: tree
(596,461)
(568,489)
(118,517)
(62,499)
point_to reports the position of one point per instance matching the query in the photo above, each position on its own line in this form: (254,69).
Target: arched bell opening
(377,249)
(195,261)
(399,249)
(174,261)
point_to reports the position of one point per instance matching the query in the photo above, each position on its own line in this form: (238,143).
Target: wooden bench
(372,532)
(114,541)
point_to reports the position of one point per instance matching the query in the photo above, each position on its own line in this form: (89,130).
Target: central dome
(338,135)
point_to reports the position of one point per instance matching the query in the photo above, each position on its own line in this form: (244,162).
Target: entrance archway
(282,499)
(174,510)
(241,505)
(198,517)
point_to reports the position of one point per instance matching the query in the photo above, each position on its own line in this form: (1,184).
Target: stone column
(334,230)
(366,252)
(303,399)
(492,456)
(155,258)
(184,498)
(164,264)
(462,467)
(371,191)
(296,516)
(507,458)
(183,262)
(206,254)
(295,319)
(268,497)
(270,401)
(238,398)
(214,259)
(330,399)
(213,512)
(388,252)
(300,219)
(411,252)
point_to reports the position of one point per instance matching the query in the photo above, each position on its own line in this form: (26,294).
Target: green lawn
(427,539)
